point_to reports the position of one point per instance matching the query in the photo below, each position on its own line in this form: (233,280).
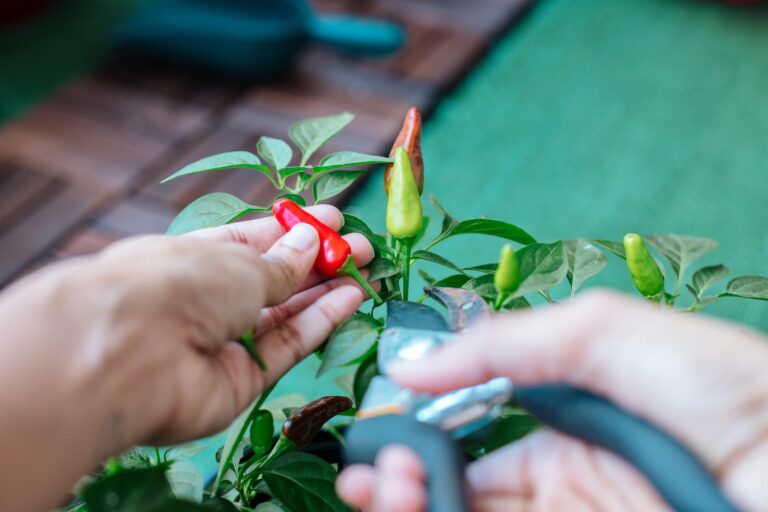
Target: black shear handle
(678,476)
(443,459)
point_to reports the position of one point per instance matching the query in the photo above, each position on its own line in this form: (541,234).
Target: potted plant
(294,468)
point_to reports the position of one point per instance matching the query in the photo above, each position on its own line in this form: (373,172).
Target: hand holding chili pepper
(144,353)
(335,255)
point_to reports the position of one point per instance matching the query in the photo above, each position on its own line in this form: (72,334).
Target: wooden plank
(38,232)
(21,192)
(86,138)
(137,216)
(86,241)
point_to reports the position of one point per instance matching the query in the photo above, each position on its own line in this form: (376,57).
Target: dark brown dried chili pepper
(304,423)
(410,139)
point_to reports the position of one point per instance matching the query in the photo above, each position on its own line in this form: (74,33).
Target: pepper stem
(349,269)
(500,298)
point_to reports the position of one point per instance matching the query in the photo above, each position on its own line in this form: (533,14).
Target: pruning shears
(433,426)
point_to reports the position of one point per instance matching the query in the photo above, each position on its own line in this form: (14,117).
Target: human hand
(703,381)
(134,345)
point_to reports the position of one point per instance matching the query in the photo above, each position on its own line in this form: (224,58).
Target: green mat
(596,118)
(593,118)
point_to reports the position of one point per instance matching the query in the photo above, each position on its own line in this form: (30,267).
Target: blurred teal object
(249,38)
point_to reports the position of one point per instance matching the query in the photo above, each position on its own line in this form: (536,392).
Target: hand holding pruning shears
(702,381)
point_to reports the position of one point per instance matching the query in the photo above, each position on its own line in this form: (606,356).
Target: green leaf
(436,258)
(350,340)
(296,198)
(261,432)
(311,134)
(681,250)
(542,266)
(488,227)
(354,224)
(516,303)
(333,183)
(367,370)
(747,287)
(616,248)
(186,480)
(349,159)
(287,172)
(128,490)
(426,277)
(303,482)
(276,152)
(221,162)
(211,210)
(448,220)
(487,268)
(584,261)
(510,429)
(452,281)
(382,268)
(482,286)
(705,277)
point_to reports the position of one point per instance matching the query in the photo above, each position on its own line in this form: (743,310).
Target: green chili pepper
(507,277)
(645,272)
(404,215)
(261,432)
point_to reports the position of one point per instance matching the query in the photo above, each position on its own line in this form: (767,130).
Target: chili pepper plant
(265,468)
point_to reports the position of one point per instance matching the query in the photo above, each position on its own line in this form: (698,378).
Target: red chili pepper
(335,255)
(410,139)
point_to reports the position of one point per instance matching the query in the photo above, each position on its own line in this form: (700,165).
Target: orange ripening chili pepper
(410,139)
(335,255)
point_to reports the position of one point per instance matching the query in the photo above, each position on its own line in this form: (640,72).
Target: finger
(291,341)
(362,250)
(272,316)
(263,233)
(355,486)
(399,485)
(362,253)
(546,466)
(288,263)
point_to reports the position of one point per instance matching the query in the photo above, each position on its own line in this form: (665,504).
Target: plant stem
(407,245)
(227,458)
(157,455)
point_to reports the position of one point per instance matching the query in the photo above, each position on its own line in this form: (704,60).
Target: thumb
(288,263)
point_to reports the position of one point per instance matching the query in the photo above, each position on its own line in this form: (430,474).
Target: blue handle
(355,35)
(674,471)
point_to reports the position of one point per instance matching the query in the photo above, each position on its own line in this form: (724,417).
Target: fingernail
(301,237)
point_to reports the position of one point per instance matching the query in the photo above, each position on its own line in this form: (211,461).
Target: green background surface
(592,118)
